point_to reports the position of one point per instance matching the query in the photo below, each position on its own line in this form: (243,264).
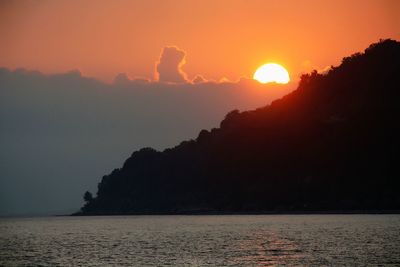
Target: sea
(194,240)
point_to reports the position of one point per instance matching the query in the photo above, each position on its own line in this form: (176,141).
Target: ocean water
(246,240)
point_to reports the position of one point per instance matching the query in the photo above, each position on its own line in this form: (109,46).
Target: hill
(332,144)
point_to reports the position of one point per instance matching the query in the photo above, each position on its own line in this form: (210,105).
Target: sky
(225,38)
(83,84)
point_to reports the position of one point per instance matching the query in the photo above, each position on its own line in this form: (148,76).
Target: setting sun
(271,72)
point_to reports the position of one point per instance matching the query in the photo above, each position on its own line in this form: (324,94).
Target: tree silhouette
(88,197)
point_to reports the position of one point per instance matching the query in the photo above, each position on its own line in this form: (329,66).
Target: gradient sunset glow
(221,38)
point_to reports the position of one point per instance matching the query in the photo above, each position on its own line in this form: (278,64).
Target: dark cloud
(169,67)
(59,134)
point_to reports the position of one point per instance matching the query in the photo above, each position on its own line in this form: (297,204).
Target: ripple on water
(201,240)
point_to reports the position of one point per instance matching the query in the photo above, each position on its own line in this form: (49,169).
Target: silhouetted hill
(332,144)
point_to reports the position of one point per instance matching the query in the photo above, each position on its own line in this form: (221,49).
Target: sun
(271,72)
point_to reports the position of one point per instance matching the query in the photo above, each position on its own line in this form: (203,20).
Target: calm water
(268,240)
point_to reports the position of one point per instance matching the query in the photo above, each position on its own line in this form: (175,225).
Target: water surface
(245,240)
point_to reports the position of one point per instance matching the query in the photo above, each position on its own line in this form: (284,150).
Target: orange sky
(221,38)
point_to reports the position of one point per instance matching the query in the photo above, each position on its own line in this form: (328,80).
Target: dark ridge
(330,145)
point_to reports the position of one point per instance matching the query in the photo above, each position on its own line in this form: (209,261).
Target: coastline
(283,212)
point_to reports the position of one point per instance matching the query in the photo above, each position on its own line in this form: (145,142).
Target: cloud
(121,79)
(199,79)
(169,67)
(224,80)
